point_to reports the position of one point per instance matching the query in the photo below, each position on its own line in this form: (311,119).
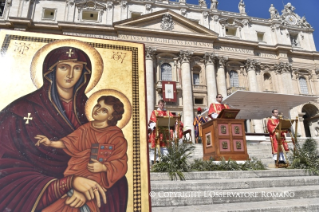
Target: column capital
(283,68)
(252,64)
(185,56)
(149,53)
(210,58)
(222,60)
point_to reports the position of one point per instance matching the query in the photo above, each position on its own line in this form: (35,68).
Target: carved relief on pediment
(167,22)
(90,5)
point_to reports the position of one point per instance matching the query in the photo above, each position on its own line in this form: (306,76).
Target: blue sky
(259,8)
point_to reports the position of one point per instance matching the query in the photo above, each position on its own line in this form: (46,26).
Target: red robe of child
(271,125)
(153,119)
(78,146)
(216,108)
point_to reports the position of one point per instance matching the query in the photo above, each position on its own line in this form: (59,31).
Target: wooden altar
(225,137)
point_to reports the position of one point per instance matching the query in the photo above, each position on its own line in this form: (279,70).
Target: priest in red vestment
(271,126)
(161,111)
(32,177)
(216,108)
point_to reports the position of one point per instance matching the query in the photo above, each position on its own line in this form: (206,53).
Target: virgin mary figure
(31,178)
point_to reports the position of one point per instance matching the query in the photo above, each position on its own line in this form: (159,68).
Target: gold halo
(95,57)
(91,102)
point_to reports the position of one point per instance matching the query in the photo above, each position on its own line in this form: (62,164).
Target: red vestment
(271,125)
(78,146)
(153,134)
(216,108)
(180,132)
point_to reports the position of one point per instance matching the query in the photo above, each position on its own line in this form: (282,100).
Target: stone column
(253,86)
(221,77)
(210,60)
(251,70)
(109,15)
(283,71)
(124,10)
(188,108)
(150,87)
(316,81)
(301,126)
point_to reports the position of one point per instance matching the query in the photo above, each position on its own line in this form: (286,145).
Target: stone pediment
(166,22)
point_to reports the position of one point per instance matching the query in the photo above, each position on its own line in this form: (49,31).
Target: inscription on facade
(91,35)
(232,49)
(164,40)
(267,55)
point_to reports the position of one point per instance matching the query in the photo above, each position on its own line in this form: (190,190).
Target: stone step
(227,184)
(295,205)
(184,198)
(206,175)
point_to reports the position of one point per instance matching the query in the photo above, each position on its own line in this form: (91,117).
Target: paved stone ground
(243,191)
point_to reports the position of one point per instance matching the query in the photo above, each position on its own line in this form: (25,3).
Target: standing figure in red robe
(216,108)
(176,132)
(108,169)
(161,111)
(198,121)
(32,177)
(271,126)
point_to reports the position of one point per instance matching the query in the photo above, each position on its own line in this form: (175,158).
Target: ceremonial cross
(70,52)
(27,118)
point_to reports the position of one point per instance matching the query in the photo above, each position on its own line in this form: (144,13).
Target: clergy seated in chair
(217,107)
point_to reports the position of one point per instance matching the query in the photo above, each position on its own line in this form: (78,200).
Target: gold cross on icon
(70,52)
(27,118)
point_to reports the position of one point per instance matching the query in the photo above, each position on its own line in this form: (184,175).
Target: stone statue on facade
(241,7)
(202,3)
(213,4)
(303,22)
(273,12)
(288,9)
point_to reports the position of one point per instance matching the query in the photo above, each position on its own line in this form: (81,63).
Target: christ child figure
(107,171)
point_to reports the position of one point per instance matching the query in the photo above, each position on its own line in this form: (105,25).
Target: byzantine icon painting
(72,124)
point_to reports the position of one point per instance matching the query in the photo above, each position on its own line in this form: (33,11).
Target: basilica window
(135,15)
(48,13)
(267,82)
(196,78)
(303,85)
(234,82)
(2,5)
(294,40)
(166,72)
(199,101)
(231,31)
(196,74)
(260,36)
(90,15)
